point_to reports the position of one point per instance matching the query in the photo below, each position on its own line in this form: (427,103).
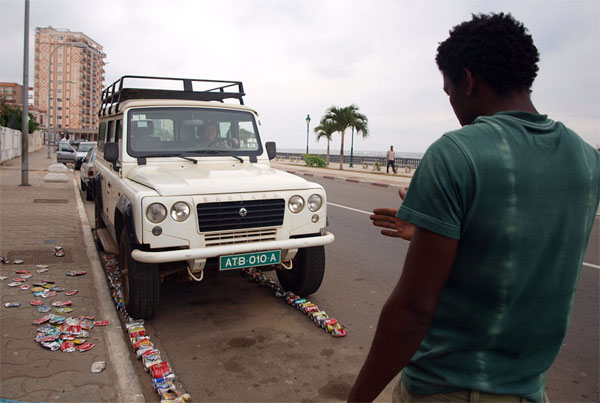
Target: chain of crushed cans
(321,319)
(57,332)
(163,377)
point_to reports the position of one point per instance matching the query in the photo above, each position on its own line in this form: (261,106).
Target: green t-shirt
(520,192)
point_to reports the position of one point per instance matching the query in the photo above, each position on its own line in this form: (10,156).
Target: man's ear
(470,81)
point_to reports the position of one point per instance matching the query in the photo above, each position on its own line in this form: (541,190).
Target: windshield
(85,147)
(191,131)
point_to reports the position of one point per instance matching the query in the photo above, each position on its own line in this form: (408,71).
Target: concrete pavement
(33,220)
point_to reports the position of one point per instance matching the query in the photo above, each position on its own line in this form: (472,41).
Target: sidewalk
(33,220)
(356,174)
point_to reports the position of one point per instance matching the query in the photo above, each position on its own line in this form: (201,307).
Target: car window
(65,147)
(191,131)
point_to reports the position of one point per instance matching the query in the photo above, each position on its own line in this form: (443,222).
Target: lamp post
(49,126)
(352,150)
(307,125)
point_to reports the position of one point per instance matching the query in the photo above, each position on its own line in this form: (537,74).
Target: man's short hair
(496,46)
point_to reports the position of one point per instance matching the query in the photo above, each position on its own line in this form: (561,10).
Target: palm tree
(324,130)
(339,119)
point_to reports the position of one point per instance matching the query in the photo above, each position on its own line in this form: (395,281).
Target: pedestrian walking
(497,239)
(391,160)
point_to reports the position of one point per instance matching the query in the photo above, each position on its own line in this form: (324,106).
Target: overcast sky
(300,57)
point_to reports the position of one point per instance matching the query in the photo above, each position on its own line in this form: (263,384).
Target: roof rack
(118,92)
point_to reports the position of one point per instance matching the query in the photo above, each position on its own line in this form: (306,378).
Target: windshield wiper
(220,152)
(172,155)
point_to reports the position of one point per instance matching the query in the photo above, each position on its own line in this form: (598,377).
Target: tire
(82,184)
(307,272)
(88,194)
(140,282)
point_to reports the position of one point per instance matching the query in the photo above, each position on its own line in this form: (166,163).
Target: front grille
(223,216)
(240,236)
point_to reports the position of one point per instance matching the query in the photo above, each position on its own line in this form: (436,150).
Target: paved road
(230,340)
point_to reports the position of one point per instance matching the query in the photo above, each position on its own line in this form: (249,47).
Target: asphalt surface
(230,340)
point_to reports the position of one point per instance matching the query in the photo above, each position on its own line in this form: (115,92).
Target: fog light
(315,218)
(156,231)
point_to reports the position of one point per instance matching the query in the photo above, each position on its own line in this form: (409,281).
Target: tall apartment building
(69,76)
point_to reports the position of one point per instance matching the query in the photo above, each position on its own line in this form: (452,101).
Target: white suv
(184,183)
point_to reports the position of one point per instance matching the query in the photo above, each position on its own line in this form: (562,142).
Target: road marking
(595,266)
(350,208)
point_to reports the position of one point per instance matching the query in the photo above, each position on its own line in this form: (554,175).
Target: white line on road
(595,266)
(350,208)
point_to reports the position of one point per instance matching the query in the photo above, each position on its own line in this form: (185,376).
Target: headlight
(156,212)
(180,211)
(315,202)
(296,204)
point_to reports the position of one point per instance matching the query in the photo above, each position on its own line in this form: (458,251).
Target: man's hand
(396,227)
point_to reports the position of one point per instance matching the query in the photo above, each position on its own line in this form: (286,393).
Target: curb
(129,387)
(366,182)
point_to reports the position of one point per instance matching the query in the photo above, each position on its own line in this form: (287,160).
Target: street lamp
(307,125)
(352,149)
(49,126)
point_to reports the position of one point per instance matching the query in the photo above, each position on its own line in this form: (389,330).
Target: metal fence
(356,159)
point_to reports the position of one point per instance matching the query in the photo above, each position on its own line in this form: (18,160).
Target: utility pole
(25,114)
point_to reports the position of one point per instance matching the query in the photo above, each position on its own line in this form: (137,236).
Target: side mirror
(111,152)
(271,149)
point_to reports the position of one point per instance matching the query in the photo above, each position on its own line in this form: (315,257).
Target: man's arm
(408,312)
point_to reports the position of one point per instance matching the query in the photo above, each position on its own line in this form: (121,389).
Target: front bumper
(224,250)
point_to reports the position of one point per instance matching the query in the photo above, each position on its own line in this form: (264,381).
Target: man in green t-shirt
(499,215)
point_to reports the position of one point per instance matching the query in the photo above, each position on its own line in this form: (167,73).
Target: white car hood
(198,179)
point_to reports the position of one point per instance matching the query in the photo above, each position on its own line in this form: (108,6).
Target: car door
(65,153)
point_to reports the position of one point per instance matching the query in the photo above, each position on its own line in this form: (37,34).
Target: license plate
(249,260)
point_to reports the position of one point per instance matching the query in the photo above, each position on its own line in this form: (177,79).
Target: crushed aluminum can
(3,278)
(85,347)
(4,259)
(75,273)
(14,284)
(18,261)
(64,310)
(43,319)
(310,309)
(71,293)
(42,338)
(40,271)
(61,303)
(338,331)
(67,347)
(43,308)
(25,287)
(136,332)
(22,271)
(36,302)
(162,371)
(102,323)
(19,280)
(52,346)
(298,302)
(56,289)
(57,320)
(46,329)
(12,304)
(58,251)
(144,342)
(98,367)
(41,266)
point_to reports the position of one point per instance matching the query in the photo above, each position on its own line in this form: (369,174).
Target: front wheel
(140,282)
(307,272)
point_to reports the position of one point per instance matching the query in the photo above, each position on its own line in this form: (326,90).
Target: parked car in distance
(65,153)
(82,150)
(87,174)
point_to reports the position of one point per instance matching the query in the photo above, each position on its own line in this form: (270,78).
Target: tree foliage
(339,119)
(324,130)
(12,117)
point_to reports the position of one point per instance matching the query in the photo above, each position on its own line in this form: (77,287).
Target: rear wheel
(140,282)
(307,272)
(88,193)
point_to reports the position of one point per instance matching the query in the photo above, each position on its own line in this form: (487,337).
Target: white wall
(10,143)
